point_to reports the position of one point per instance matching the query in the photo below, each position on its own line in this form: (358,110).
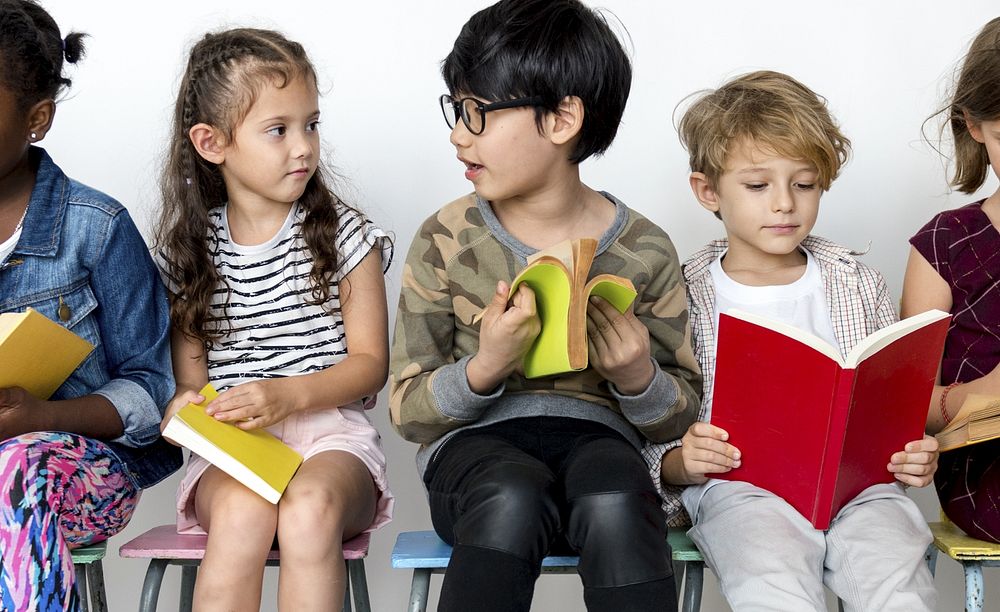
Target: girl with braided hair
(279,302)
(72,465)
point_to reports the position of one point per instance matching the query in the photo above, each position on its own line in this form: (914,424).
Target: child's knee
(306,508)
(510,510)
(238,510)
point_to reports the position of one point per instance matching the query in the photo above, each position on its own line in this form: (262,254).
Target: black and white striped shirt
(275,332)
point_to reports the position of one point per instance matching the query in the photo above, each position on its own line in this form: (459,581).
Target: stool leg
(359,584)
(151,585)
(80,572)
(679,579)
(189,574)
(419,589)
(95,583)
(347,585)
(694,575)
(973,586)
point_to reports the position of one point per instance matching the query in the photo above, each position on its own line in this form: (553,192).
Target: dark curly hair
(225,73)
(32,52)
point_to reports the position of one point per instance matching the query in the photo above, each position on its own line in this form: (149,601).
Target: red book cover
(815,428)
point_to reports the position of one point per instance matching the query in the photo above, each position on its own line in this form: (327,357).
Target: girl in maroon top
(954,265)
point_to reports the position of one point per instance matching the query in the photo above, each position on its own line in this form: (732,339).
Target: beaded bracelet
(944,402)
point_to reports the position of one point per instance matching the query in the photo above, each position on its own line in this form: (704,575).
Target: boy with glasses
(518,468)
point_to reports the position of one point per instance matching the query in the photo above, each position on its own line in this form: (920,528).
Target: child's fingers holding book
(618,346)
(20,412)
(916,463)
(506,333)
(705,451)
(182,398)
(255,404)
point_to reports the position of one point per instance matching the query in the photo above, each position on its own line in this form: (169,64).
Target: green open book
(36,353)
(256,458)
(558,276)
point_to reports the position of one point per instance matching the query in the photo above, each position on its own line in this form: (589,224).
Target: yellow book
(37,353)
(263,463)
(558,277)
(978,420)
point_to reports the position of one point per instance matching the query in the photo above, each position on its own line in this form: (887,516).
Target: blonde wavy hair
(770,109)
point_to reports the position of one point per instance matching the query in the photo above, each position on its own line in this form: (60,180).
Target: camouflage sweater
(451,272)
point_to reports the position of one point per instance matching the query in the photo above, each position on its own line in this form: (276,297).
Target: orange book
(978,420)
(814,428)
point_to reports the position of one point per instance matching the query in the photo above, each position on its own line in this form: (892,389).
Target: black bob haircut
(546,48)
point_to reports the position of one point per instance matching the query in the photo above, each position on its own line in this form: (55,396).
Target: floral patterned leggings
(58,491)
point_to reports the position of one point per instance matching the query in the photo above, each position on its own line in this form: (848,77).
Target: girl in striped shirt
(271,274)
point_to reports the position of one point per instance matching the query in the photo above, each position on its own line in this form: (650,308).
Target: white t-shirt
(7,246)
(801,303)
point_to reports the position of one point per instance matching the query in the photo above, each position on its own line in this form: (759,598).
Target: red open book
(812,427)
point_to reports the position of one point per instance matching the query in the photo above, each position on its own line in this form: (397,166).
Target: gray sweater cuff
(652,404)
(455,399)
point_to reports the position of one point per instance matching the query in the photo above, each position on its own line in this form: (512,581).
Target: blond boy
(763,148)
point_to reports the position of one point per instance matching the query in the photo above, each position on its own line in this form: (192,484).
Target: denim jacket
(81,262)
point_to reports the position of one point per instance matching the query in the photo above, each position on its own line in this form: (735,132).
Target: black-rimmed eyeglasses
(473,111)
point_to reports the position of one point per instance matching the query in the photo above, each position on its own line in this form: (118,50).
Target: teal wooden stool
(425,553)
(89,570)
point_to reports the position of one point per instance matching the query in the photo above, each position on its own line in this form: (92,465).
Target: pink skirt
(309,432)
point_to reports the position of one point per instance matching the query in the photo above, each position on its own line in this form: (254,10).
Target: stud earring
(34,137)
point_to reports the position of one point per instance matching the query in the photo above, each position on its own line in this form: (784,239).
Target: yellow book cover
(260,461)
(37,353)
(558,277)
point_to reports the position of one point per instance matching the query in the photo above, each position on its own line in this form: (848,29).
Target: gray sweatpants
(768,557)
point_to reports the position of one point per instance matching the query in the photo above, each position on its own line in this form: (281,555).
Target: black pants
(506,495)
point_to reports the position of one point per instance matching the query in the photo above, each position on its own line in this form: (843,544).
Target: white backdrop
(884,66)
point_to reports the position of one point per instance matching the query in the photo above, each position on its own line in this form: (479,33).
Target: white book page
(887,335)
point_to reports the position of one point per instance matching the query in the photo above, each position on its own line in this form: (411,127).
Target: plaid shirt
(859,304)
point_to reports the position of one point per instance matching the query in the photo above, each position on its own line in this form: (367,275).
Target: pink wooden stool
(163,546)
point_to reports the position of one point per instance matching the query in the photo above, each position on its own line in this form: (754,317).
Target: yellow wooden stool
(973,554)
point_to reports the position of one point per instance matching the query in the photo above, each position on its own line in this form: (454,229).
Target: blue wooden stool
(89,571)
(425,553)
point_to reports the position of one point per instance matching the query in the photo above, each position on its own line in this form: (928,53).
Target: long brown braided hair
(225,74)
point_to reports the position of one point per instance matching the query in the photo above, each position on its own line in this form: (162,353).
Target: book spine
(839,411)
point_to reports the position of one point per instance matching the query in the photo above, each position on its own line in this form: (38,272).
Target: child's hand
(916,463)
(181,398)
(20,412)
(505,335)
(619,347)
(705,451)
(255,404)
